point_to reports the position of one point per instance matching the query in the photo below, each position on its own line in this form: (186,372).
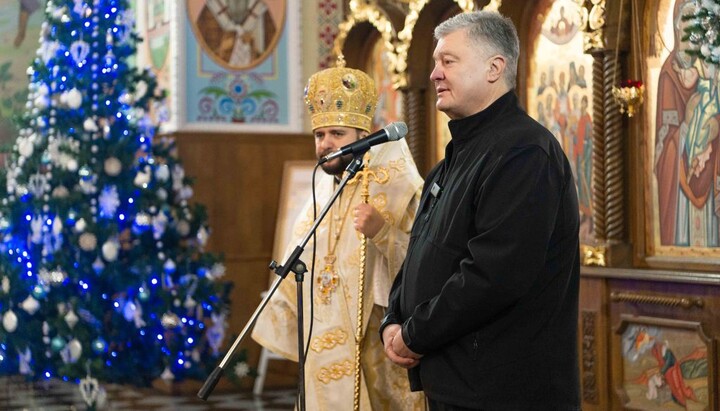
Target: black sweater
(488,292)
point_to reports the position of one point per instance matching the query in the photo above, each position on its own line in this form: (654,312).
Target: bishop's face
(331,139)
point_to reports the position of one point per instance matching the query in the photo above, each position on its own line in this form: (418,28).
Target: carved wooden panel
(589,360)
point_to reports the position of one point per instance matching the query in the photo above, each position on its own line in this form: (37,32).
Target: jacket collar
(464,129)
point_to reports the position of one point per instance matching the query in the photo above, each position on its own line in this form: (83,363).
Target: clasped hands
(395,348)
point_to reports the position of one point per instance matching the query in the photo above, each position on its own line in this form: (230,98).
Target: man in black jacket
(484,310)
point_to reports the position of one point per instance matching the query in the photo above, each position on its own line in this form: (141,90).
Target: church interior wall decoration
(390,100)
(665,364)
(238,66)
(559,93)
(155,25)
(682,161)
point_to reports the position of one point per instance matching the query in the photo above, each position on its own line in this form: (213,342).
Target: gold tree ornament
(629,96)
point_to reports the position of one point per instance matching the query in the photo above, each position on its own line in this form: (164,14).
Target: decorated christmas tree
(103,270)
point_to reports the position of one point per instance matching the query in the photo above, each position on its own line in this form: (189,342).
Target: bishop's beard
(336,166)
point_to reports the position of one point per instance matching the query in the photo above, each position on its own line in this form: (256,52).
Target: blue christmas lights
(53,236)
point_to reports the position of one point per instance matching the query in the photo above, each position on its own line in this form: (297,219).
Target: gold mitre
(341,96)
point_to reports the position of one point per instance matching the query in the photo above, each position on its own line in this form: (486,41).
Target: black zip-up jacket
(488,292)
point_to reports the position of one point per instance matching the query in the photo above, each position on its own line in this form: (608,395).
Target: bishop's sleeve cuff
(381,238)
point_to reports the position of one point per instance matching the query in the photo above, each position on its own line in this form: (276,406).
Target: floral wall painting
(237,74)
(231,98)
(684,176)
(560,93)
(665,365)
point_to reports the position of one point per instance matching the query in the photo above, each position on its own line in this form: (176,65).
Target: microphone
(392,132)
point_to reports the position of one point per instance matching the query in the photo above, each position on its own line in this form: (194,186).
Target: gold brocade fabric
(329,366)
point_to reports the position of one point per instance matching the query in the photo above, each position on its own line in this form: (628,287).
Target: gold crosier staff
(379,175)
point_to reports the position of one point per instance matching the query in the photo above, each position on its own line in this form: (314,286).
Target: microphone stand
(294,264)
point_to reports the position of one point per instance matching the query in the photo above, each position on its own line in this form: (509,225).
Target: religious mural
(237,34)
(240,72)
(664,368)
(560,94)
(683,108)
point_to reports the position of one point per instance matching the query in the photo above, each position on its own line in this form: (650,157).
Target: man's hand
(367,220)
(392,336)
(398,345)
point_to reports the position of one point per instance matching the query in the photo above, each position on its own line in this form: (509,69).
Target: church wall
(237,177)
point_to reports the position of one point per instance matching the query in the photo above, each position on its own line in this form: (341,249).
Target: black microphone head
(396,131)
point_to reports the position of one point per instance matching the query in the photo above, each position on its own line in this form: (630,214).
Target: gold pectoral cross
(328,279)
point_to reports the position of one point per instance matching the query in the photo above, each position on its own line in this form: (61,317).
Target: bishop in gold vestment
(341,101)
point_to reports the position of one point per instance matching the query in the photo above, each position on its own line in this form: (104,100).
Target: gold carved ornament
(637,298)
(405,35)
(359,12)
(594,23)
(396,45)
(593,255)
(379,175)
